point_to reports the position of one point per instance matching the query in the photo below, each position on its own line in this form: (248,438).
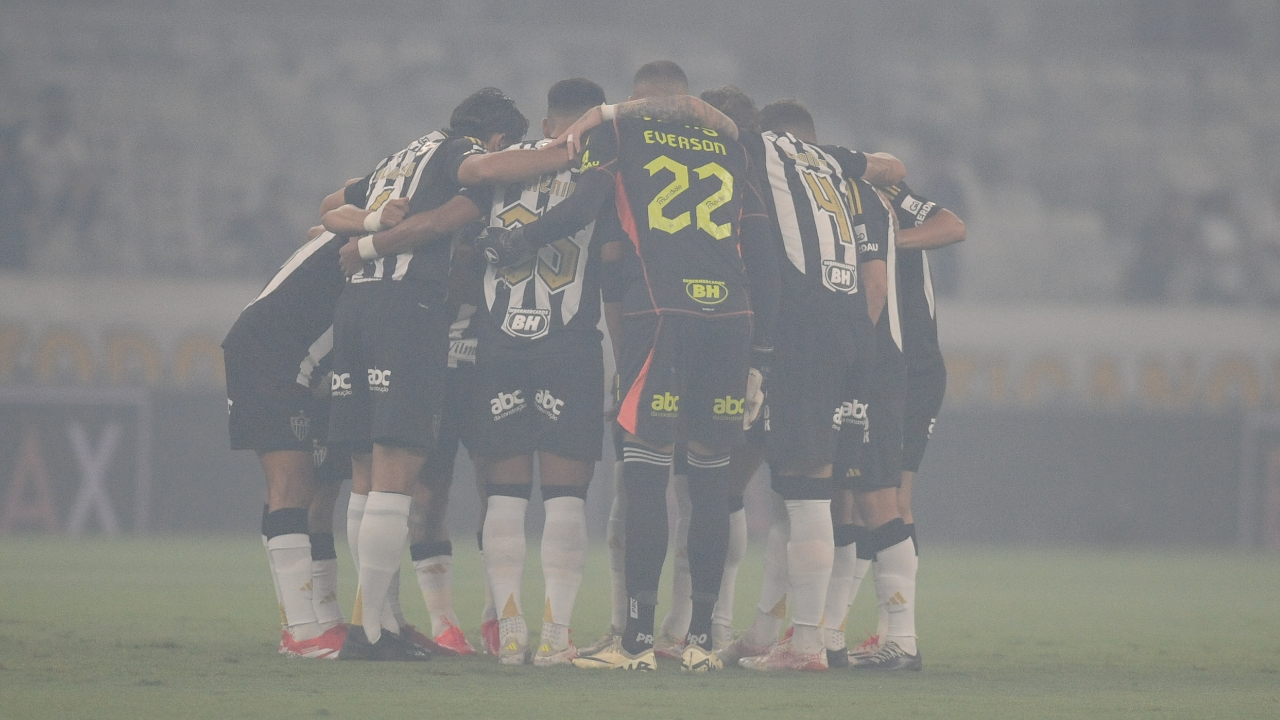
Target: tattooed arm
(673,108)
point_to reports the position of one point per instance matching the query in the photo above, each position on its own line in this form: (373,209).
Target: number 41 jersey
(681,193)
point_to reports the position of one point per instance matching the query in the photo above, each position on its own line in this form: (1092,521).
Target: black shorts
(684,377)
(390,352)
(456,424)
(926,386)
(545,395)
(807,389)
(878,463)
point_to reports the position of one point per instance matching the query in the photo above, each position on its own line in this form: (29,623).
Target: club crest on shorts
(527,323)
(301,425)
(318,454)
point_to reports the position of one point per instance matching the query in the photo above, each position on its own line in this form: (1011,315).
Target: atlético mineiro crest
(301,425)
(318,454)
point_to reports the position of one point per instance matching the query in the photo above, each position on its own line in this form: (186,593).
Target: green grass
(186,628)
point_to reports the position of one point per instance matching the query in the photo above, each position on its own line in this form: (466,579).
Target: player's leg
(675,626)
(290,485)
(742,467)
(489,639)
(615,539)
(334,466)
(510,486)
(430,550)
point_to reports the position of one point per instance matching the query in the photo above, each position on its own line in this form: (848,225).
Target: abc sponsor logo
(506,403)
(665,405)
(727,408)
(548,404)
(706,292)
(839,277)
(379,380)
(852,413)
(340,384)
(528,324)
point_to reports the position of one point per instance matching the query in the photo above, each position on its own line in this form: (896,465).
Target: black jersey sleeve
(593,189)
(852,162)
(871,224)
(759,259)
(357,193)
(446,163)
(600,150)
(912,209)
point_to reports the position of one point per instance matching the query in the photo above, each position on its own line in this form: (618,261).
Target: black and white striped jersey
(915,285)
(818,228)
(426,172)
(877,238)
(288,327)
(558,289)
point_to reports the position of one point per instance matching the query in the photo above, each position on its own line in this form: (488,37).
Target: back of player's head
(488,112)
(789,116)
(659,78)
(572,97)
(738,105)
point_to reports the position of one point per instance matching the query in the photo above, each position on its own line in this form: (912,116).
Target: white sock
(837,605)
(324,593)
(504,551)
(435,579)
(490,611)
(676,623)
(384,531)
(809,558)
(564,556)
(772,609)
(355,513)
(275,581)
(896,590)
(617,554)
(722,616)
(291,558)
(393,597)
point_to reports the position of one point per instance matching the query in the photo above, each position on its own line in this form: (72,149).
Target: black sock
(645,479)
(424,550)
(862,537)
(638,636)
(708,538)
(266,510)
(911,528)
(322,547)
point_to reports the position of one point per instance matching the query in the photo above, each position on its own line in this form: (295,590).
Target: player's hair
(486,112)
(735,103)
(572,97)
(662,73)
(787,116)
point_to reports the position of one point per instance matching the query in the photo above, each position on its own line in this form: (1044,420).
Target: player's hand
(349,257)
(757,380)
(505,248)
(572,137)
(393,212)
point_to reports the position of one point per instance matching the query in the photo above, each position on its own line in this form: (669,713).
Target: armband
(608,112)
(373,221)
(367,250)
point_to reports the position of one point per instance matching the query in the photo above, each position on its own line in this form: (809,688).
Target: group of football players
(767,299)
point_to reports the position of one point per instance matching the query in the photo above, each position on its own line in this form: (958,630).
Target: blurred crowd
(176,139)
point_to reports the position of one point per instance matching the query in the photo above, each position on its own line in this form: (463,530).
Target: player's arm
(875,283)
(337,198)
(943,228)
(417,229)
(760,257)
(675,108)
(873,250)
(612,289)
(883,169)
(349,220)
(509,166)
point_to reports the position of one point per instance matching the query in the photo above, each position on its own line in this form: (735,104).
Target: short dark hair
(783,115)
(732,101)
(662,72)
(488,111)
(573,96)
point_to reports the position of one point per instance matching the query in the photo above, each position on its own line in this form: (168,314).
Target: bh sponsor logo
(340,384)
(506,404)
(665,405)
(727,408)
(839,277)
(527,324)
(548,404)
(379,380)
(706,292)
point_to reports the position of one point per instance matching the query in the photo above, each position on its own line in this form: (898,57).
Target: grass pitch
(186,628)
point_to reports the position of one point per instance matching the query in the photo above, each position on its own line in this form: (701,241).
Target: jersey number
(659,221)
(558,266)
(826,197)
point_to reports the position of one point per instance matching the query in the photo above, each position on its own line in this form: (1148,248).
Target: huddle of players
(683,232)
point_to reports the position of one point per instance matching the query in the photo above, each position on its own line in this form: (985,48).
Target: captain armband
(366,248)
